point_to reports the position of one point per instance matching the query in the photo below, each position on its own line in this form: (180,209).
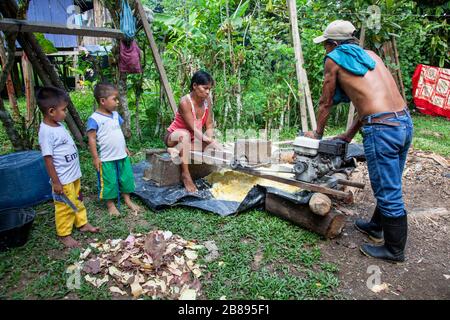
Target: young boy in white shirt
(61,160)
(113,165)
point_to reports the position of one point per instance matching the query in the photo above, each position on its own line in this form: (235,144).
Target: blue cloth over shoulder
(354,59)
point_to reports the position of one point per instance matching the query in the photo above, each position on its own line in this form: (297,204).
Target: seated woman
(185,133)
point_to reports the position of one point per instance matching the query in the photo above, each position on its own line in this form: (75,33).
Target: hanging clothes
(130,58)
(127,21)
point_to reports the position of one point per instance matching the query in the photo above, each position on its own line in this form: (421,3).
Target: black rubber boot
(395,235)
(372,228)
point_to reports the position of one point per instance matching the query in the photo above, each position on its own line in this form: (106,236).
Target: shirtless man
(386,128)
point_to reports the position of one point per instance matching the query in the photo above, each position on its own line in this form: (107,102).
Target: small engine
(317,158)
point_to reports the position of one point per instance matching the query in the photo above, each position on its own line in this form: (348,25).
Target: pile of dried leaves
(159,265)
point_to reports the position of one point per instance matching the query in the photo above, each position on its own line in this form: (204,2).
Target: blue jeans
(386,148)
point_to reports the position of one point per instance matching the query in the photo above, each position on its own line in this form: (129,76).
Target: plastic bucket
(15,227)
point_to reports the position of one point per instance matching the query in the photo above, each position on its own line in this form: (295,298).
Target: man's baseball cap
(337,30)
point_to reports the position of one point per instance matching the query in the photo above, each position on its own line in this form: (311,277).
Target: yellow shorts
(65,217)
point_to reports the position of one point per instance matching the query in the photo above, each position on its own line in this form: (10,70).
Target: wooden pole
(351,111)
(156,56)
(29,87)
(304,80)
(298,63)
(399,70)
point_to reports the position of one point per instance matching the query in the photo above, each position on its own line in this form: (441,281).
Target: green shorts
(114,176)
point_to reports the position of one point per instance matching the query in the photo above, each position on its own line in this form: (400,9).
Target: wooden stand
(163,172)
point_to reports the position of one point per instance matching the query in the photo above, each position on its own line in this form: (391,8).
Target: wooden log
(320,204)
(328,226)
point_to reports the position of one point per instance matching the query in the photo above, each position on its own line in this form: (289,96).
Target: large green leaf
(240,11)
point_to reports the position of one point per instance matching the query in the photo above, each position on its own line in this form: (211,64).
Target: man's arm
(57,186)
(326,100)
(351,132)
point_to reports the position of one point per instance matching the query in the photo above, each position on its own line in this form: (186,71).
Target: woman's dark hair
(202,78)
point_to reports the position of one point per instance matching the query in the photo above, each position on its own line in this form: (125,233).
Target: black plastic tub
(15,227)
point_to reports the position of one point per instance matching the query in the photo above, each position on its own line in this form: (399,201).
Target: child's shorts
(114,176)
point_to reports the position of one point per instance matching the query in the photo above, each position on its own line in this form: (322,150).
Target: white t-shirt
(57,142)
(110,137)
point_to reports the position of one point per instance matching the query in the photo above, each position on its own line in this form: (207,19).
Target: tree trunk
(159,113)
(238,97)
(8,124)
(123,107)
(29,88)
(227,98)
(9,82)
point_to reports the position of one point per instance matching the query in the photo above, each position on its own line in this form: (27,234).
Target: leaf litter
(158,265)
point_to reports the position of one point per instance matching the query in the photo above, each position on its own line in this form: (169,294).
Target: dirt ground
(426,272)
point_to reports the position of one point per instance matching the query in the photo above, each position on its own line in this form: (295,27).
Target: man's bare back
(375,92)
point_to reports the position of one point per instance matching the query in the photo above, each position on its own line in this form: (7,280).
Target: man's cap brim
(319,39)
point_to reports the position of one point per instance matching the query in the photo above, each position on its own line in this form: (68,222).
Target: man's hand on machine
(312,135)
(343,137)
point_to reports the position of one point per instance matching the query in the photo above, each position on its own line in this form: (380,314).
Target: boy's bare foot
(188,183)
(112,209)
(134,207)
(69,242)
(89,228)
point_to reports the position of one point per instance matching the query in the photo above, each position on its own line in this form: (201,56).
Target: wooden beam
(14,25)
(297,183)
(298,62)
(157,57)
